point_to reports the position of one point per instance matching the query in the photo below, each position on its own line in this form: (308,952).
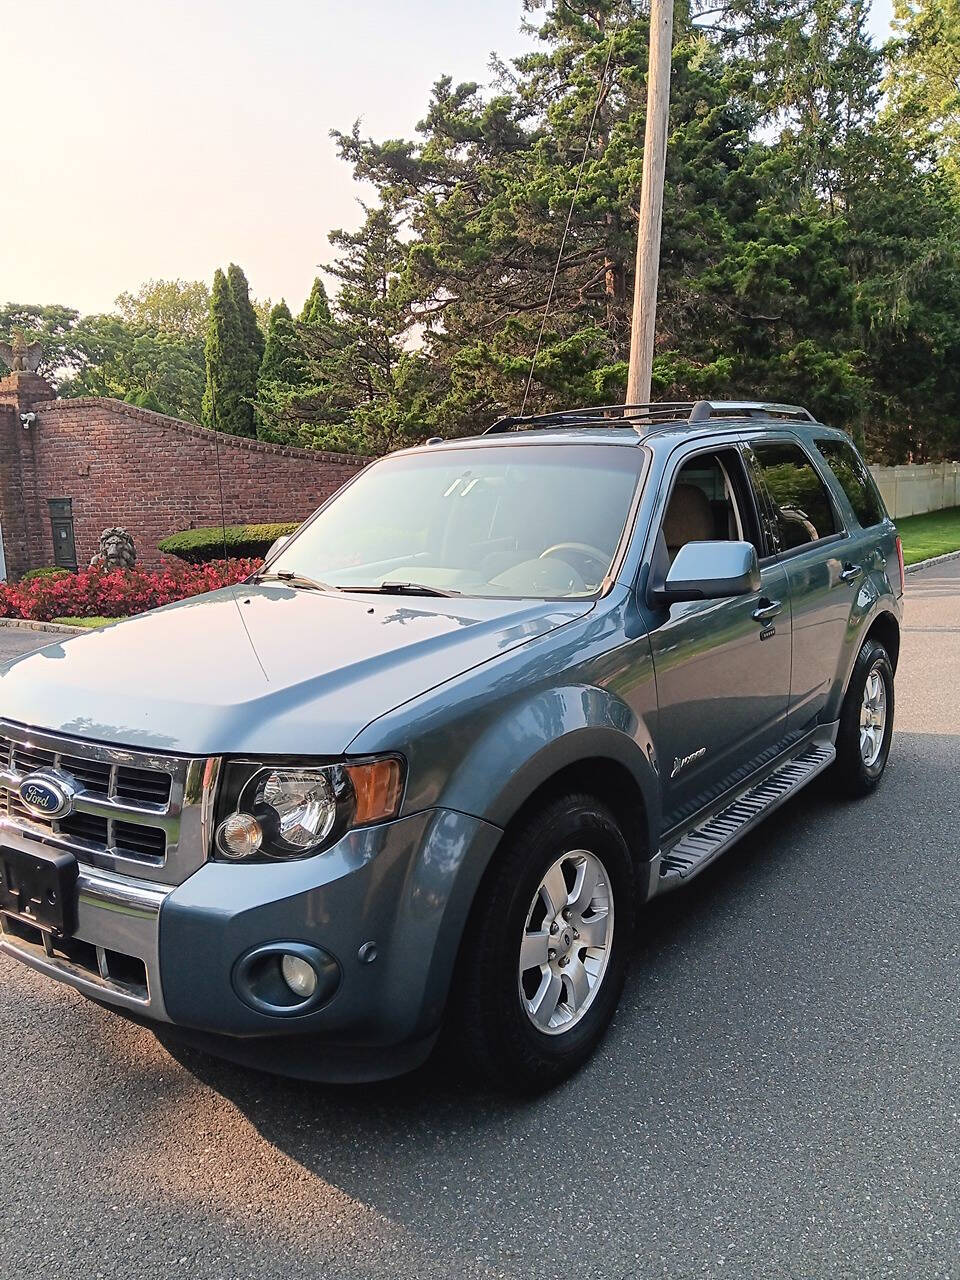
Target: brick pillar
(21,511)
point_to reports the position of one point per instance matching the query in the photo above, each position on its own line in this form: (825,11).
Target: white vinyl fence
(911,490)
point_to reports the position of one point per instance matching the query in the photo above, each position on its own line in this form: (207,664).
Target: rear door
(722,666)
(807,529)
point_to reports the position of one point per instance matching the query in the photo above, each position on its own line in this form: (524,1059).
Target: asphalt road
(779,1095)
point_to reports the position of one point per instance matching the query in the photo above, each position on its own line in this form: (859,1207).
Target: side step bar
(699,847)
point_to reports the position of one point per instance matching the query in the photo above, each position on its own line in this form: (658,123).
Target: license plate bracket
(40,888)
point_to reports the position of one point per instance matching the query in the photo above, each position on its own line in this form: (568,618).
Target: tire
(861,760)
(501,1028)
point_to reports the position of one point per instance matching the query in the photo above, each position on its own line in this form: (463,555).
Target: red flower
(92,593)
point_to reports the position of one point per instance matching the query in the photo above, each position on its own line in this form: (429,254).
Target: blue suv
(422,772)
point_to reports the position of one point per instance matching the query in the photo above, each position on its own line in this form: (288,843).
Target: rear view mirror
(277,546)
(711,571)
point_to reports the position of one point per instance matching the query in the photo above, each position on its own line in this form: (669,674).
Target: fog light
(286,979)
(299,975)
(239,836)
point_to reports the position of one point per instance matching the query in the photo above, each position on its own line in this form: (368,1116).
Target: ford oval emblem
(46,795)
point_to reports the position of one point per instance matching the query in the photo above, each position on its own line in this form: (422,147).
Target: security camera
(27,420)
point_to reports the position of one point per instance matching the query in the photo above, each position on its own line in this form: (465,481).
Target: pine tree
(227,398)
(282,373)
(924,77)
(316,309)
(251,338)
(282,355)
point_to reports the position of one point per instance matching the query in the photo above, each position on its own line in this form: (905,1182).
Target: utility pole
(651,203)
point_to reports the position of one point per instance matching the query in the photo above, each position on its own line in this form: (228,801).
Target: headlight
(293,811)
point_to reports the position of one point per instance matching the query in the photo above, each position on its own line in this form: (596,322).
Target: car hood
(266,669)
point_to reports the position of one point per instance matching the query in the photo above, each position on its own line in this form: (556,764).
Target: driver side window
(704,506)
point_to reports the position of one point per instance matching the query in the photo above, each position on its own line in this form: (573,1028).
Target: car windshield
(525,520)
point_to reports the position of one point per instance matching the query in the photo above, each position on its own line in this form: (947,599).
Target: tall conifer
(227,395)
(316,309)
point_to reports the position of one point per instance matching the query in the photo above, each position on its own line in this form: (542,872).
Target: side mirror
(277,546)
(711,571)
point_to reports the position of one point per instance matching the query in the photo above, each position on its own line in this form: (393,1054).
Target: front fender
(482,744)
(515,756)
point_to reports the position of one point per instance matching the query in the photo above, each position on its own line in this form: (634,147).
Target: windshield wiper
(294,580)
(402,589)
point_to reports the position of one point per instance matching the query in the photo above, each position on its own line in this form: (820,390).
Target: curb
(27,624)
(927,564)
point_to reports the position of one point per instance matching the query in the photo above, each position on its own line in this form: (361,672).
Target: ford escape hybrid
(422,771)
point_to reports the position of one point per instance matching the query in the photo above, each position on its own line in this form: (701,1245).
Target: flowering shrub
(94,593)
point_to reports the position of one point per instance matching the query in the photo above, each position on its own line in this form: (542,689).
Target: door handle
(850,572)
(767,610)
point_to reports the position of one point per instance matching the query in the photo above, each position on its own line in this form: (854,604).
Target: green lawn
(932,534)
(86,622)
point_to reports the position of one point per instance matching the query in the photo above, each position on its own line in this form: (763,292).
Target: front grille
(140,842)
(139,786)
(130,810)
(143,786)
(112,969)
(85,826)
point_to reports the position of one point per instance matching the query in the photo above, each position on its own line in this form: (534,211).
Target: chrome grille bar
(165,842)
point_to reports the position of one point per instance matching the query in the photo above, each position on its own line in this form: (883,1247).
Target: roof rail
(640,416)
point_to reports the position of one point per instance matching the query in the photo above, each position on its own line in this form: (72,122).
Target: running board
(699,847)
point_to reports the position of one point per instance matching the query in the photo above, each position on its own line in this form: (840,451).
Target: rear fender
(871,605)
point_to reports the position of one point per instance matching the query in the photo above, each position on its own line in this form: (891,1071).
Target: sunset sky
(162,140)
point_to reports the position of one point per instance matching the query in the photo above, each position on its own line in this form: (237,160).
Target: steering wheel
(600,559)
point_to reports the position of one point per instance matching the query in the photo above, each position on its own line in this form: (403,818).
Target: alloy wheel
(873,718)
(566,942)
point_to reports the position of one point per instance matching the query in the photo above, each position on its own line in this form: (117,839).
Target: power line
(563,241)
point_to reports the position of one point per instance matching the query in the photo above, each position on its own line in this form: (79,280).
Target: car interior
(702,507)
(516,528)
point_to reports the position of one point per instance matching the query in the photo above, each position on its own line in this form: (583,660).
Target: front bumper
(114,954)
(168,955)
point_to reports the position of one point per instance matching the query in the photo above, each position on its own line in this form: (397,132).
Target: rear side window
(803,512)
(855,481)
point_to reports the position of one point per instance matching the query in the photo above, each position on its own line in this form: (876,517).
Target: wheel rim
(873,718)
(566,942)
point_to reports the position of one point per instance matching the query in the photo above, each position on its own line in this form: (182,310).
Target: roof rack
(640,416)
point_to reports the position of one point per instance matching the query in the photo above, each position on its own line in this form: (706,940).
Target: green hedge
(49,571)
(197,546)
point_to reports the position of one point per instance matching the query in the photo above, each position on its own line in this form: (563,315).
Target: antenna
(223,526)
(566,229)
(216,444)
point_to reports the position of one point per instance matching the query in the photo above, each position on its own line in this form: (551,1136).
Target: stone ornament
(19,355)
(116,551)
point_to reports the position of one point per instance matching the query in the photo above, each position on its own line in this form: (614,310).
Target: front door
(722,666)
(61,526)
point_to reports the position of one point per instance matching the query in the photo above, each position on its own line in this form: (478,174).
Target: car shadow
(724,972)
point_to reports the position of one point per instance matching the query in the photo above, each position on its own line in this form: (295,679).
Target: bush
(198,546)
(94,593)
(49,571)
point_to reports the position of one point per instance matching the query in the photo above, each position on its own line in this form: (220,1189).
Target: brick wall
(152,474)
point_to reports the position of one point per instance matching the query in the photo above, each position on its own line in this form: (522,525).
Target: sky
(163,138)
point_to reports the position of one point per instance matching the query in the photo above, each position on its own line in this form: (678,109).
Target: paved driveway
(778,1096)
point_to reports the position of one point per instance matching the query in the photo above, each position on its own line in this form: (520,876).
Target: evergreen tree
(282,372)
(795,226)
(251,340)
(227,399)
(316,309)
(486,190)
(282,356)
(355,393)
(924,77)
